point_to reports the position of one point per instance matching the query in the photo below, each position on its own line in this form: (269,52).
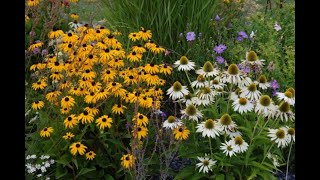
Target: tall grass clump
(167,19)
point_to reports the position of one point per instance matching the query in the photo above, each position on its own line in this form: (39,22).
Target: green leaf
(85,171)
(230,176)
(186,172)
(75,163)
(108,177)
(220,177)
(116,142)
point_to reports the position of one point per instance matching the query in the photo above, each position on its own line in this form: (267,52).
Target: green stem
(229,97)
(288,161)
(263,126)
(267,153)
(210,146)
(189,80)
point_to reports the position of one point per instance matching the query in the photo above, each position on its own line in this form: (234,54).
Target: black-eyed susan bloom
(65,110)
(140,132)
(68,136)
(165,69)
(127,161)
(104,121)
(140,119)
(118,109)
(85,117)
(67,102)
(151,68)
(77,147)
(145,34)
(181,133)
(134,56)
(53,96)
(37,105)
(46,132)
(70,121)
(41,84)
(92,110)
(157,49)
(134,36)
(55,34)
(33,2)
(90,155)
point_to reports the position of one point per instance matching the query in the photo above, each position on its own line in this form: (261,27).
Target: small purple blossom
(274,92)
(44,52)
(245,69)
(242,35)
(36,50)
(167,52)
(277,27)
(220,48)
(127,125)
(220,59)
(191,36)
(217,18)
(163,114)
(274,84)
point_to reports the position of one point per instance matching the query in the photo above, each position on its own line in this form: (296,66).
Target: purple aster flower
(36,50)
(220,48)
(217,18)
(274,92)
(44,52)
(127,125)
(191,36)
(163,114)
(245,69)
(220,59)
(274,84)
(242,35)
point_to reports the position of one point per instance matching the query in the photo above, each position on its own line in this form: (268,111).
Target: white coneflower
(250,92)
(177,91)
(265,106)
(280,136)
(233,133)
(187,99)
(191,112)
(288,96)
(206,164)
(226,123)
(291,134)
(208,70)
(197,101)
(172,122)
(284,112)
(217,84)
(240,144)
(232,75)
(246,81)
(235,95)
(206,93)
(209,128)
(242,105)
(252,59)
(199,82)
(228,148)
(262,82)
(184,64)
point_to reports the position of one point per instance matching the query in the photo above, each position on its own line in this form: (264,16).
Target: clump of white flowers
(38,165)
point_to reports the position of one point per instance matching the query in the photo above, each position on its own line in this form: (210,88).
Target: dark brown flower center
(77,145)
(104,119)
